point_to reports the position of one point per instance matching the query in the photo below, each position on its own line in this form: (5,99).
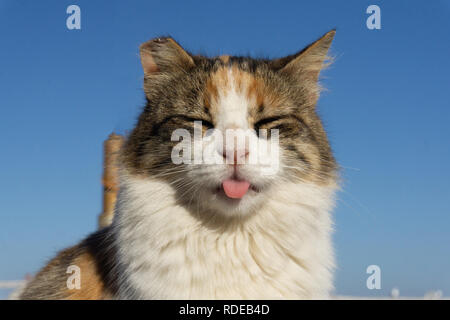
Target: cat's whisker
(359,203)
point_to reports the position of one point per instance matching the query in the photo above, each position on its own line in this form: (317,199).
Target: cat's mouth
(236,189)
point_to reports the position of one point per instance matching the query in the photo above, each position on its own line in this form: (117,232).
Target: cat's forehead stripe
(231,93)
(228,78)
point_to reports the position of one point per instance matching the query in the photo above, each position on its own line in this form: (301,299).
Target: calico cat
(214,231)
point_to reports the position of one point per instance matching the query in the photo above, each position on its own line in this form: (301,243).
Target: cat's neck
(167,251)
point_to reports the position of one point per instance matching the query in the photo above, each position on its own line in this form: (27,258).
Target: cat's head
(227,94)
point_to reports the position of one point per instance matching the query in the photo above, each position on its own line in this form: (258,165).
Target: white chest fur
(166,252)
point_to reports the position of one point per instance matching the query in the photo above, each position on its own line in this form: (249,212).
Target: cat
(215,231)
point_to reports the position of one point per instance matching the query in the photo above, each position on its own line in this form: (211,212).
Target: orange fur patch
(92,286)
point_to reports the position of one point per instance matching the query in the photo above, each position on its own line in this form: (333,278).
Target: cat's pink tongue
(235,189)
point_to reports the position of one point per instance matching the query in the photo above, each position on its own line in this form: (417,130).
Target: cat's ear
(308,61)
(304,67)
(164,55)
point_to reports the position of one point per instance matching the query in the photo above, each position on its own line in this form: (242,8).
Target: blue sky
(386,111)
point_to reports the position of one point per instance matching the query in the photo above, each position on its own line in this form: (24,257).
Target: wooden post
(111,148)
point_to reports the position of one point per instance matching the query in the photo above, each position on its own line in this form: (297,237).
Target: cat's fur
(175,235)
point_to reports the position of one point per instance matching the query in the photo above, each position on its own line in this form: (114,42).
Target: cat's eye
(206,123)
(286,124)
(185,121)
(266,121)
